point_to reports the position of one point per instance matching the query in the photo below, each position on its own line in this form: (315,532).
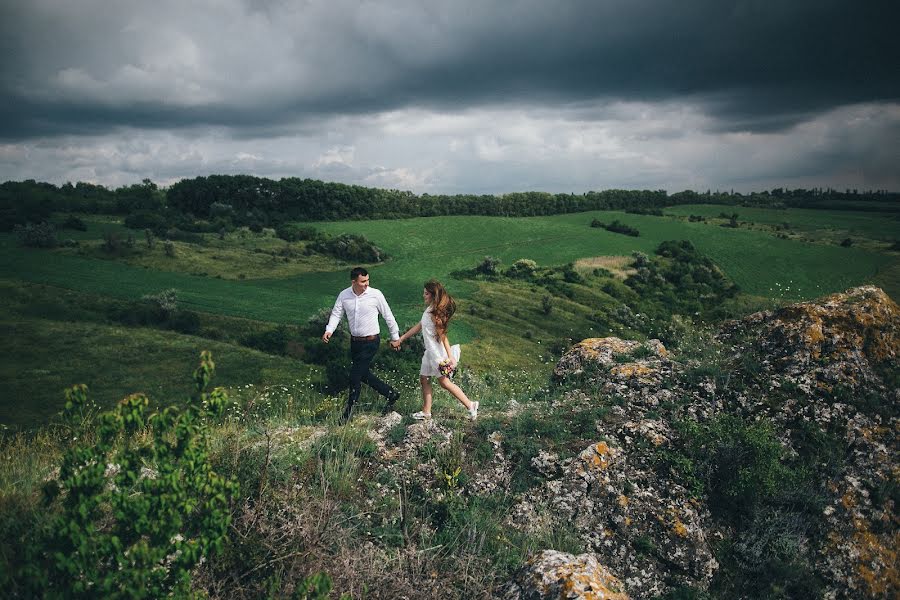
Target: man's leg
(360,357)
(373,381)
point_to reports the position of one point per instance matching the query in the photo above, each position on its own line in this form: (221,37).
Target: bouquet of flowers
(445,368)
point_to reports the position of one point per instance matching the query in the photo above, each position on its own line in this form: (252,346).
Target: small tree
(523,268)
(139,504)
(37,235)
(111,241)
(489,266)
(546,305)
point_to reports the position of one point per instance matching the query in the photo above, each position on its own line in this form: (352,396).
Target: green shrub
(740,463)
(350,248)
(523,268)
(138,506)
(73,222)
(37,235)
(291,232)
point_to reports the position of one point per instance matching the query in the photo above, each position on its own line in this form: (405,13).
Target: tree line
(216,201)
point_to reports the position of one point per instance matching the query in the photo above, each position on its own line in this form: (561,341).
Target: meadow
(759,262)
(255,281)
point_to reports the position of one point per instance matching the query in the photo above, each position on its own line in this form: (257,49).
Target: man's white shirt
(362,313)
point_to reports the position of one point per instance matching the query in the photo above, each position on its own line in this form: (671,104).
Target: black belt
(363,338)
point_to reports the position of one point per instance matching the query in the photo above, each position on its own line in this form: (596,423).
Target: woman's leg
(456,391)
(425,382)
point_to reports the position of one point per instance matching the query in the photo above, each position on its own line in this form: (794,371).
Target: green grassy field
(760,263)
(47,347)
(43,357)
(881,226)
(421,248)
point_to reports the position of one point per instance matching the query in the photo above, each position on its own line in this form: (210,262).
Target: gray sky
(455,96)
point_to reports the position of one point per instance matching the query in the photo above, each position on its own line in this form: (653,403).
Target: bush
(616,227)
(166,301)
(522,268)
(291,232)
(73,222)
(137,504)
(145,219)
(546,305)
(37,235)
(351,248)
(570,275)
(740,465)
(273,341)
(112,242)
(489,266)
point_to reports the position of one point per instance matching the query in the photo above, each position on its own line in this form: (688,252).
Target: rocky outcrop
(624,359)
(561,576)
(828,365)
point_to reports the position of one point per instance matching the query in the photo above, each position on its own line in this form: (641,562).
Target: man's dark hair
(356,272)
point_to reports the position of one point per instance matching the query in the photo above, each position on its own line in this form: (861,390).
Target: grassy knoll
(43,357)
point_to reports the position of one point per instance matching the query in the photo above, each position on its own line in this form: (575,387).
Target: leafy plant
(139,505)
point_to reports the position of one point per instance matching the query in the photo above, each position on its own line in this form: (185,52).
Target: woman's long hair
(442,307)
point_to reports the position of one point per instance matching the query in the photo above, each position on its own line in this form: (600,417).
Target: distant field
(757,261)
(434,247)
(884,226)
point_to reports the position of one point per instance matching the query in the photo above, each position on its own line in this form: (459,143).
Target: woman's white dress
(434,350)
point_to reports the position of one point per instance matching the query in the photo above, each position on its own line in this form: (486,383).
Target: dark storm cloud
(259,67)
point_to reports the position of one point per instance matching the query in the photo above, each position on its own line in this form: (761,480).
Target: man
(362,305)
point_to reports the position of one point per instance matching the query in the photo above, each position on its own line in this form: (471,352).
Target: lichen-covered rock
(624,359)
(553,575)
(828,366)
(644,527)
(842,340)
(828,363)
(496,476)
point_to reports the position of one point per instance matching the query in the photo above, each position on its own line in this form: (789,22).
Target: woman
(435,319)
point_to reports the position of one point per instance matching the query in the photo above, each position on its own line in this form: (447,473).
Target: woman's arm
(446,344)
(411,332)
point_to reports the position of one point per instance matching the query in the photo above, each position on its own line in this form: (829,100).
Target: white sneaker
(420,416)
(473,412)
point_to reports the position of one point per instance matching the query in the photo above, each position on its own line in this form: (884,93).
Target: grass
(61,334)
(828,225)
(44,357)
(433,247)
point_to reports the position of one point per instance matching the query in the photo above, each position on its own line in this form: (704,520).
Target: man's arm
(385,311)
(336,313)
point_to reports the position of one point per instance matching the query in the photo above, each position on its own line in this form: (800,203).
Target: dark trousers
(361,355)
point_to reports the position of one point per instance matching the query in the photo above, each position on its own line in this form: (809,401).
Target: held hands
(395,345)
